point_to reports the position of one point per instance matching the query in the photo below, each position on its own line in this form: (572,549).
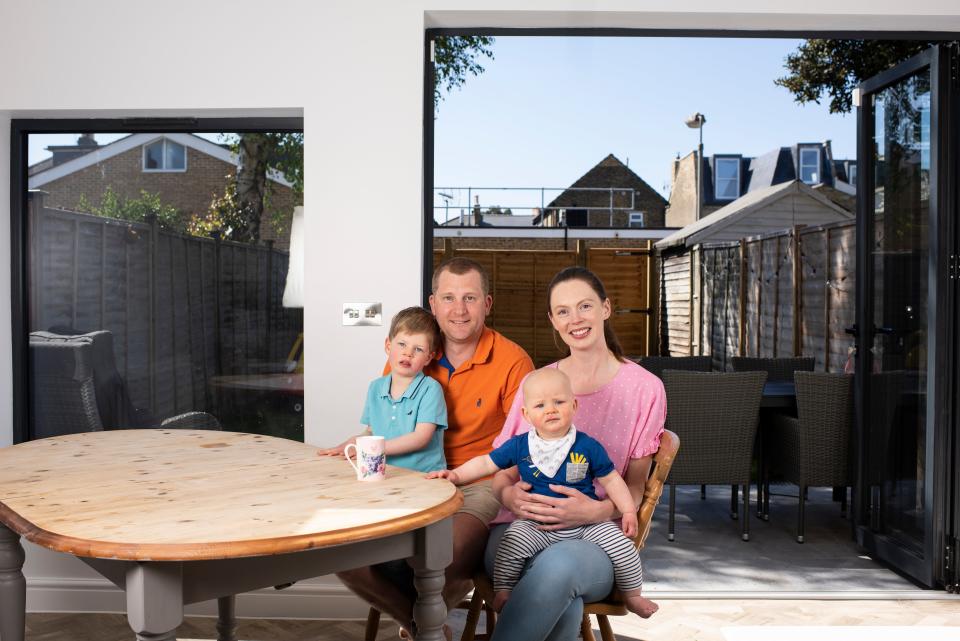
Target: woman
(621,405)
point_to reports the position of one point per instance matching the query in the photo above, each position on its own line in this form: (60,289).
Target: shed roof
(752,204)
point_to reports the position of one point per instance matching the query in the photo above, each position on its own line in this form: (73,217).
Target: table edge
(225,550)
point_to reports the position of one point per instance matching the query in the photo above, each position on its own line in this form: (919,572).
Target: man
(480,372)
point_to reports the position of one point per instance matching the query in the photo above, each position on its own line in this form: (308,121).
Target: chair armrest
(192,421)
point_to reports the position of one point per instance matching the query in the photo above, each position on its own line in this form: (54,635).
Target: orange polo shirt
(479,394)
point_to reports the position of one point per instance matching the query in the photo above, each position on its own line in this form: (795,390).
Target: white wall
(355,70)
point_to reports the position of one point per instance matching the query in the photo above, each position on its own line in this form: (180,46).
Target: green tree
(455,57)
(835,67)
(258,154)
(112,205)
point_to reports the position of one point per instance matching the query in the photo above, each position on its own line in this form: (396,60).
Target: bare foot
(500,600)
(641,605)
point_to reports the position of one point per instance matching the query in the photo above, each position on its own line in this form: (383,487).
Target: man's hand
(450,475)
(337,450)
(629,525)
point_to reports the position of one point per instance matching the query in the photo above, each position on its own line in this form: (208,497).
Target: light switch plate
(363,314)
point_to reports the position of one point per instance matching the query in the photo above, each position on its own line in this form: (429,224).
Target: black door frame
(940,402)
(20,130)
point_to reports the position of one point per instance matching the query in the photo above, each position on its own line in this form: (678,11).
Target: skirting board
(299,601)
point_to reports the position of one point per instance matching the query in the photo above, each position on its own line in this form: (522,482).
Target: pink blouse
(626,416)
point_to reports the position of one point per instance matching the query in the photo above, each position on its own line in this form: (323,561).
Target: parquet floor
(678,620)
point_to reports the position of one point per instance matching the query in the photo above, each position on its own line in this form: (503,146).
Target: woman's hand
(574,509)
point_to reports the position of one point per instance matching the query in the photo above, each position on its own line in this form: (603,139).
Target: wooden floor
(679,620)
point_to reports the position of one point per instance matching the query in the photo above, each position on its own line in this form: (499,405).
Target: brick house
(727,177)
(187,171)
(609,195)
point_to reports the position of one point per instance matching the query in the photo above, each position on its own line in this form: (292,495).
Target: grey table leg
(13,587)
(434,553)
(155,600)
(226,620)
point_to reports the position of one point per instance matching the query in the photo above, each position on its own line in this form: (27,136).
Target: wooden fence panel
(181,309)
(842,295)
(519,280)
(676,303)
(798,297)
(625,274)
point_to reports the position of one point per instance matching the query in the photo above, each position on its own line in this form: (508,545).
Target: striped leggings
(523,539)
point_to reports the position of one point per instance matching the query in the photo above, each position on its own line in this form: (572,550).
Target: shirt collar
(407,393)
(480,355)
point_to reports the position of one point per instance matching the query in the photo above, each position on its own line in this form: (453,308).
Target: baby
(554,452)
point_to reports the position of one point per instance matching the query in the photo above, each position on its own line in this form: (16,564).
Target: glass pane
(147,302)
(900,258)
(727,169)
(152,155)
(727,189)
(176,156)
(809,164)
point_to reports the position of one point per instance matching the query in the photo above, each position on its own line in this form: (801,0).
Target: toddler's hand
(336,450)
(450,475)
(629,524)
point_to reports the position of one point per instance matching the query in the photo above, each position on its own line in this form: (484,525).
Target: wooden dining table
(175,517)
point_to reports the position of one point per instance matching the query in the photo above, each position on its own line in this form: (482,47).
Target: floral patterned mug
(371,459)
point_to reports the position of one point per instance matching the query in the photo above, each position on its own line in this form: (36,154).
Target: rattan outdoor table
(181,516)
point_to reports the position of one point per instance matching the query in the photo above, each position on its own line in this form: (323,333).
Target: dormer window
(852,173)
(810,165)
(726,177)
(164,155)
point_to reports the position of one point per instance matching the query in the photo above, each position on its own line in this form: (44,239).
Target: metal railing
(533,199)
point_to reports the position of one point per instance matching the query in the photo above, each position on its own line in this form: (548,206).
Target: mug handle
(349,460)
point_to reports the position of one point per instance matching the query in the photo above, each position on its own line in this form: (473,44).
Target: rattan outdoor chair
(777,369)
(611,606)
(62,397)
(813,450)
(656,364)
(715,415)
(65,404)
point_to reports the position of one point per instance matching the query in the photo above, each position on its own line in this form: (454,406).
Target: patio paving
(709,557)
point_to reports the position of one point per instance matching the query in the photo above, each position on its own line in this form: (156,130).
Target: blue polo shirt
(422,402)
(586,461)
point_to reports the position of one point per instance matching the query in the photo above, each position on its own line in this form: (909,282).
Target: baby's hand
(450,475)
(629,524)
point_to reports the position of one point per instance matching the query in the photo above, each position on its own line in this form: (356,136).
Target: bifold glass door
(904,317)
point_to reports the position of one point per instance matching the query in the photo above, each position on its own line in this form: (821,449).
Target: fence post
(826,301)
(743,298)
(447,249)
(151,219)
(581,250)
(218,348)
(653,301)
(797,298)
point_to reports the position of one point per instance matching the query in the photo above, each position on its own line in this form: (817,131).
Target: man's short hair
(460,266)
(416,320)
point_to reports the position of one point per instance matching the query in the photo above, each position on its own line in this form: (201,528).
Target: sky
(547,109)
(37,143)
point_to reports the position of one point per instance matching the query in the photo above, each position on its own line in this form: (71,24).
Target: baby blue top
(422,402)
(585,461)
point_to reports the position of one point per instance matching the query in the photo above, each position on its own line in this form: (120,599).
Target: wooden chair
(612,605)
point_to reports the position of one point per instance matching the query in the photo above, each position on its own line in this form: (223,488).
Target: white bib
(548,456)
